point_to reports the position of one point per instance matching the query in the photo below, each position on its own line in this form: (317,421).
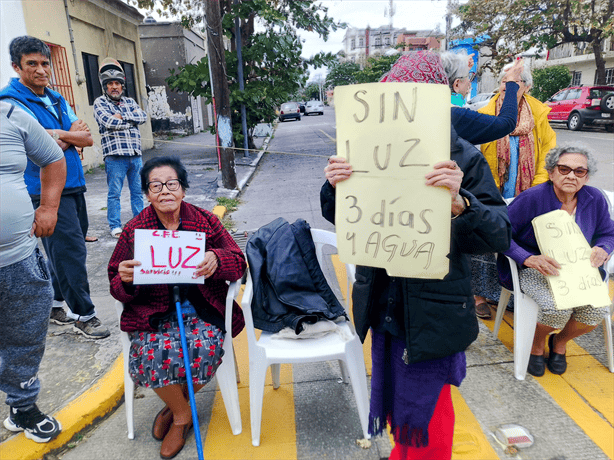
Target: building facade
(580,60)
(168,45)
(360,44)
(80,35)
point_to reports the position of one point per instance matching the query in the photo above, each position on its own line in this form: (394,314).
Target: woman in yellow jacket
(517,160)
(517,163)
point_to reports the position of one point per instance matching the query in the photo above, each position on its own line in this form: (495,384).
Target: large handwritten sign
(578,283)
(167,256)
(392,134)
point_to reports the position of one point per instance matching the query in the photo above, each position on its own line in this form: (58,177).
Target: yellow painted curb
(219,211)
(97,401)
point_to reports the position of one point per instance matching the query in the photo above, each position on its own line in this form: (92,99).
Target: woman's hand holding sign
(448,174)
(599,256)
(337,170)
(208,266)
(545,265)
(126,270)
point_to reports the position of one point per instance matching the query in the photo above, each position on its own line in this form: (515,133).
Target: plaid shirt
(142,301)
(119,137)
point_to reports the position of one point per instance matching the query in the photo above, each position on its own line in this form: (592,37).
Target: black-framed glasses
(578,172)
(156,186)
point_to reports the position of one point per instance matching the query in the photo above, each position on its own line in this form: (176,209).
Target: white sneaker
(116,232)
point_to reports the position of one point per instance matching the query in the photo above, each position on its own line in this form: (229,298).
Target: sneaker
(116,232)
(59,316)
(37,426)
(92,328)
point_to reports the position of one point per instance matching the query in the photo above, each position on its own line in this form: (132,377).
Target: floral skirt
(156,358)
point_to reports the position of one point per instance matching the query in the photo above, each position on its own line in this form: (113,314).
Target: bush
(549,80)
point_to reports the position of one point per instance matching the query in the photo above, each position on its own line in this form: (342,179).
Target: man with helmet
(65,248)
(118,118)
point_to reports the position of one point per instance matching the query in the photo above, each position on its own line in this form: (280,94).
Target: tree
(342,73)
(549,80)
(272,63)
(311,91)
(515,26)
(375,68)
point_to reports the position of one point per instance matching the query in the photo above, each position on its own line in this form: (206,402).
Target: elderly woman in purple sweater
(569,169)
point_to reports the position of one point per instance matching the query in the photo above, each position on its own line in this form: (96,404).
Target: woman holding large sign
(569,169)
(156,354)
(420,327)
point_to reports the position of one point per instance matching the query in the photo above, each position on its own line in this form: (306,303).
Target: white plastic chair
(525,320)
(269,351)
(226,376)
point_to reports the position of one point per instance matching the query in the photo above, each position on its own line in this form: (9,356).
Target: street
(313,415)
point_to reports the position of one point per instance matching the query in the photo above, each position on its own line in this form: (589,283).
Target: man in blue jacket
(66,250)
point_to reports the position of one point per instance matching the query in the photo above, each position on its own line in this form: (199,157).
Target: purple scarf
(405,395)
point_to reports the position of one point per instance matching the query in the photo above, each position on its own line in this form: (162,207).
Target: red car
(583,105)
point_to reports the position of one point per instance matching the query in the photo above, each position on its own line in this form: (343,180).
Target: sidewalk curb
(106,393)
(101,398)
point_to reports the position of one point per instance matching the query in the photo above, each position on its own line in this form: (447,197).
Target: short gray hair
(553,156)
(525,76)
(456,65)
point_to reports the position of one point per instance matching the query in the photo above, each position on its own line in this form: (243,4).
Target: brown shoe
(482,310)
(175,440)
(162,423)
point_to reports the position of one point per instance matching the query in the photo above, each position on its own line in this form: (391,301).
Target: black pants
(67,256)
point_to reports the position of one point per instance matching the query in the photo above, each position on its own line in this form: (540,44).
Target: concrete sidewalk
(82,379)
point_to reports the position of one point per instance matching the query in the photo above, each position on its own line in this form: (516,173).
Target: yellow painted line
(469,442)
(584,392)
(97,401)
(330,137)
(278,429)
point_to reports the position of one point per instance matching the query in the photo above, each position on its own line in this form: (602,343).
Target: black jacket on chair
(289,285)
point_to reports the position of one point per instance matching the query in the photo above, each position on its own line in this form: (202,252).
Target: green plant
(549,80)
(231,204)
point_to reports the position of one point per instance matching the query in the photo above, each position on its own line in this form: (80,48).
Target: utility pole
(217,63)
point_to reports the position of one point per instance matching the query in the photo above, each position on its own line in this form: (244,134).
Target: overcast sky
(409,14)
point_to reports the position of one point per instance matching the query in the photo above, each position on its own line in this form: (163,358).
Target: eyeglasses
(578,172)
(171,185)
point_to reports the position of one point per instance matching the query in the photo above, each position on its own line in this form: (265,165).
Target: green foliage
(342,73)
(517,26)
(311,92)
(273,68)
(375,68)
(549,80)
(231,204)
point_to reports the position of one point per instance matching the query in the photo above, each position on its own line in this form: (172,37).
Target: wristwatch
(55,135)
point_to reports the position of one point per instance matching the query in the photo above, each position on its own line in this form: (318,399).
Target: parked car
(289,110)
(479,100)
(583,105)
(314,107)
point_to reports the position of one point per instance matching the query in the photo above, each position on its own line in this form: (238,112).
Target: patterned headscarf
(417,67)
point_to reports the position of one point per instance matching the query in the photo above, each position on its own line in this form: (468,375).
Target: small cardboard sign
(386,216)
(168,256)
(578,282)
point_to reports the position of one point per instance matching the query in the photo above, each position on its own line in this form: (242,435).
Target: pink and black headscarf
(417,67)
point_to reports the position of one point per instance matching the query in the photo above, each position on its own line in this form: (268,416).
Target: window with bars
(576,78)
(609,76)
(60,73)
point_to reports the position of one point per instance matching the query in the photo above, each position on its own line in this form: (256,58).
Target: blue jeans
(118,167)
(25,296)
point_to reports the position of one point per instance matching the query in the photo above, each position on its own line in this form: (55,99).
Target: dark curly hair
(27,45)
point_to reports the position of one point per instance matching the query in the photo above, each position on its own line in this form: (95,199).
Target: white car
(478,101)
(314,107)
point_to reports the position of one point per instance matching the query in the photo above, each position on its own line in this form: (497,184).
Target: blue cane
(188,373)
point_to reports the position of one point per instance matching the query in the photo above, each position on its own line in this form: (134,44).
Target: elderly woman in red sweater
(149,316)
